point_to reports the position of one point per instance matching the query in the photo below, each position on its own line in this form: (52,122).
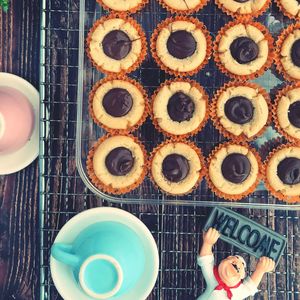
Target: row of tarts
(118,164)
(235,8)
(180,108)
(182,46)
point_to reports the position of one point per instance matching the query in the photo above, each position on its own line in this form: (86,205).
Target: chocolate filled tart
(288,52)
(118,104)
(131,6)
(181,45)
(116,44)
(282,173)
(290,8)
(177,167)
(179,108)
(116,164)
(243,49)
(234,170)
(183,6)
(240,111)
(286,112)
(243,8)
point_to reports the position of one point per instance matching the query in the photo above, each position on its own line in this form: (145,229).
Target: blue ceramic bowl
(113,233)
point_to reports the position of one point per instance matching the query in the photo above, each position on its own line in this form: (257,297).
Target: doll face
(231,270)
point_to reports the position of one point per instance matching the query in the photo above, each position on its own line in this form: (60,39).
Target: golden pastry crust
(131,6)
(172,65)
(183,6)
(129,122)
(196,164)
(284,45)
(243,28)
(289,193)
(284,98)
(100,29)
(290,8)
(261,117)
(159,112)
(98,172)
(249,9)
(220,185)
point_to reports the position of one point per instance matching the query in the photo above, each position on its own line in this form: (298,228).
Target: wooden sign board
(245,234)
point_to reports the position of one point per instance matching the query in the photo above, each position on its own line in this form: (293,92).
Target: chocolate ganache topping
(175,167)
(288,170)
(244,50)
(296,53)
(116,44)
(119,161)
(236,167)
(239,110)
(117,102)
(180,107)
(294,113)
(181,44)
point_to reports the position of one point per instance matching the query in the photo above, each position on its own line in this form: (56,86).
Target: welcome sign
(246,234)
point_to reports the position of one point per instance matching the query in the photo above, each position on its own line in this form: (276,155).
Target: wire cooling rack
(177,230)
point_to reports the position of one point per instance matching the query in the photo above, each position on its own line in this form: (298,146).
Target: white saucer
(18,160)
(62,274)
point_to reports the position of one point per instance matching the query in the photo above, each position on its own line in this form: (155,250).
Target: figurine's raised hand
(265,264)
(211,236)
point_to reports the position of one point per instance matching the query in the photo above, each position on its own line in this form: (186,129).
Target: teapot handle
(63,253)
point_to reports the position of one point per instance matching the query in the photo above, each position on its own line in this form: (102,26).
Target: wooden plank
(19,253)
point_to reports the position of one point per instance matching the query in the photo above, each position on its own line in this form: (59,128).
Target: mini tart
(240,110)
(179,108)
(181,45)
(287,56)
(116,44)
(243,9)
(183,6)
(117,164)
(118,104)
(290,8)
(242,49)
(131,6)
(286,112)
(282,173)
(177,167)
(234,170)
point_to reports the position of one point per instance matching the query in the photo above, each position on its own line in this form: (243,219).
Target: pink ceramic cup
(16,120)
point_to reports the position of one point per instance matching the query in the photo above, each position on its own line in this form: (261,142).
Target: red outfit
(221,285)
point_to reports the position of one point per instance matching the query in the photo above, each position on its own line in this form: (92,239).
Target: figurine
(227,281)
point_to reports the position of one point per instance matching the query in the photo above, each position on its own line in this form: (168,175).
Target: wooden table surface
(19,247)
(19,236)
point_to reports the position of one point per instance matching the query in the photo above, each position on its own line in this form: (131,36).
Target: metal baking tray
(151,77)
